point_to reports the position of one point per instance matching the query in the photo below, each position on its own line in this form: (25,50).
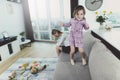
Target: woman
(62,42)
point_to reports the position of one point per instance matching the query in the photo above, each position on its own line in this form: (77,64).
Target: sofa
(102,64)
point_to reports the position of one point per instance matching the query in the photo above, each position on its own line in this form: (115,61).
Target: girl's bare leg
(82,53)
(72,50)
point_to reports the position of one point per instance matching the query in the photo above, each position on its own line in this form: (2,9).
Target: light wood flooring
(37,49)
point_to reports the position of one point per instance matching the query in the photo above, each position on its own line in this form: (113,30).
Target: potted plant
(101,18)
(22,34)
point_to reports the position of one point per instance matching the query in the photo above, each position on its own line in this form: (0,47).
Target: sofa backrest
(103,65)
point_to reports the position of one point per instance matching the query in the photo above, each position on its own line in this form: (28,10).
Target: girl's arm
(85,25)
(66,24)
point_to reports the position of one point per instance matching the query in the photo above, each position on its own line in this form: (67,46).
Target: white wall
(11,18)
(108,5)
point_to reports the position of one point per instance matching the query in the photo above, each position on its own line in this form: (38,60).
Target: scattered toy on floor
(12,76)
(35,68)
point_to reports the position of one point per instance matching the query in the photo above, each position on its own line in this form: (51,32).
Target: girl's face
(80,15)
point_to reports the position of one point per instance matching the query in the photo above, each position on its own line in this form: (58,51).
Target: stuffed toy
(12,76)
(22,68)
(25,65)
(35,68)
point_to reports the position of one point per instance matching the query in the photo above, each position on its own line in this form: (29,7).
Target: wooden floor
(37,49)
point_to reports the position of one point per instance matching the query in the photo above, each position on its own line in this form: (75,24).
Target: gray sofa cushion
(66,71)
(103,64)
(66,57)
(88,41)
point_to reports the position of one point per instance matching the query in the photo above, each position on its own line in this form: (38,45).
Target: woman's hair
(77,8)
(54,31)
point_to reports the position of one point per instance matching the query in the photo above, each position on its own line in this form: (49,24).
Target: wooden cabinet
(4,52)
(15,46)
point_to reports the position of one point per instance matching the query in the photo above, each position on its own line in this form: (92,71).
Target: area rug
(46,74)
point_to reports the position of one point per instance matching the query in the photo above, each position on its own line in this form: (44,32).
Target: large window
(47,15)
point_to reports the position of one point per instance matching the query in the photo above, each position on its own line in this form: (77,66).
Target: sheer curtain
(47,15)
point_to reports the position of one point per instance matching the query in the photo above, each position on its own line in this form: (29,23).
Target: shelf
(7,40)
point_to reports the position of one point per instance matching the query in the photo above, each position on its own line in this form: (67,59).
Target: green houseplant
(101,18)
(22,34)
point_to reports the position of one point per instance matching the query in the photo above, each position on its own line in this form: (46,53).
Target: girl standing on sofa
(76,33)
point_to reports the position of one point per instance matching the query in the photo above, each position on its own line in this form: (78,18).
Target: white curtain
(47,15)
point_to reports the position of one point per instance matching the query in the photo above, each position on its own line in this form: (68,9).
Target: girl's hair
(54,31)
(77,8)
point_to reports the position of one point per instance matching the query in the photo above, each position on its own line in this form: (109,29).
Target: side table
(26,43)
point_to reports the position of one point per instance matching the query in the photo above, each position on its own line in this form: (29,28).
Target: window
(47,15)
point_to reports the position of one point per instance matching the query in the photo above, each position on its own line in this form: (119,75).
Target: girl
(76,33)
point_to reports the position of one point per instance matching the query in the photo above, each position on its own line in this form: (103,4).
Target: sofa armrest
(103,65)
